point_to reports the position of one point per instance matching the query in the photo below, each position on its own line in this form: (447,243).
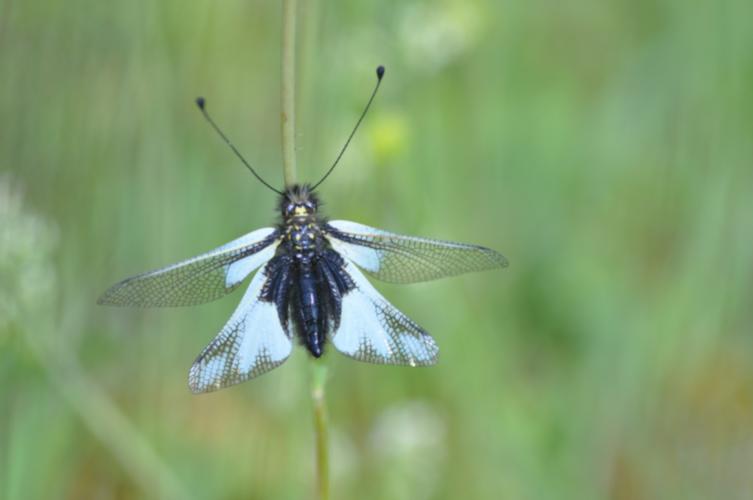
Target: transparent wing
(252,342)
(197,280)
(373,330)
(408,259)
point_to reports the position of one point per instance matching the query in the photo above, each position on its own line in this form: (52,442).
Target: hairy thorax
(303,238)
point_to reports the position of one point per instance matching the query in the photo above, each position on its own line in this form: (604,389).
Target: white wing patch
(252,342)
(373,330)
(240,269)
(366,258)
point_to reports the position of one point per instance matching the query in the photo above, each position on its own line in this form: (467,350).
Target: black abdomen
(309,310)
(307,282)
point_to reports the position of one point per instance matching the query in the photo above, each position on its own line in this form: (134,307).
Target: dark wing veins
(407,259)
(197,280)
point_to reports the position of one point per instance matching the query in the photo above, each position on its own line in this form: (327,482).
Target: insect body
(308,285)
(306,278)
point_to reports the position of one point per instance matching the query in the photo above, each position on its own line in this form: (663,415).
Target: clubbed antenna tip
(380,74)
(200,102)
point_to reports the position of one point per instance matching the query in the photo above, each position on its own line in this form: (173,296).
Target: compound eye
(289,209)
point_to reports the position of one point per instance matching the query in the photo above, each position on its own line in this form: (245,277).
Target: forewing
(197,280)
(373,330)
(408,259)
(252,342)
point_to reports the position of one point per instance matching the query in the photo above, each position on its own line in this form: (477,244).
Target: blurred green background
(604,147)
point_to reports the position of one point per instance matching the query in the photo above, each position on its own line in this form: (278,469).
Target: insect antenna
(201,103)
(380,74)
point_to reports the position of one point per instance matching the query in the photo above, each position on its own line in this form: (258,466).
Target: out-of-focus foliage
(605,147)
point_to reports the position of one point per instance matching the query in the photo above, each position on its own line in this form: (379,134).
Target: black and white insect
(310,286)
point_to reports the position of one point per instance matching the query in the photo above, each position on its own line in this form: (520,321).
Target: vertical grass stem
(287,124)
(287,92)
(318,382)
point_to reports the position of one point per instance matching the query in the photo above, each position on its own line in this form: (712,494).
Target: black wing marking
(252,342)
(197,280)
(373,330)
(408,259)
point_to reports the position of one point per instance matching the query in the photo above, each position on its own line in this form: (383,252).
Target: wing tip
(196,389)
(500,260)
(107,299)
(194,382)
(113,297)
(430,361)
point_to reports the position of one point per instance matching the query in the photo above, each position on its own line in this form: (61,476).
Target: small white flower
(27,277)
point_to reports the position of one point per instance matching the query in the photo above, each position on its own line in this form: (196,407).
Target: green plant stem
(287,123)
(318,382)
(287,92)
